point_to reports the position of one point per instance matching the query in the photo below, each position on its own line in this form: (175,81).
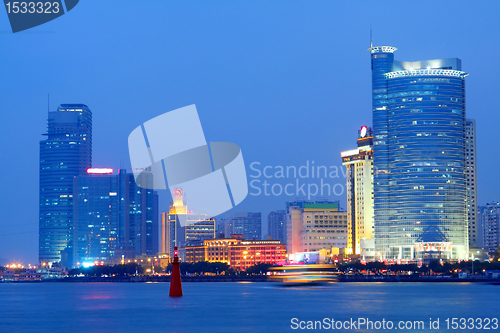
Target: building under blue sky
(66,153)
(113,217)
(420,193)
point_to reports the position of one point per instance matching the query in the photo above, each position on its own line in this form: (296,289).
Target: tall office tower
(66,153)
(113,217)
(359,177)
(470,173)
(276,225)
(420,193)
(491,225)
(314,226)
(248,224)
(138,233)
(96,217)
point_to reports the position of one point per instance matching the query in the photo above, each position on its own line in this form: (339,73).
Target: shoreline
(263,278)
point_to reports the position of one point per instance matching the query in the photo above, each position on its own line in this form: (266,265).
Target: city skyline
(294,84)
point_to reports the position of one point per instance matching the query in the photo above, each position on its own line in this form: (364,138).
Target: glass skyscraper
(113,217)
(66,153)
(96,218)
(420,194)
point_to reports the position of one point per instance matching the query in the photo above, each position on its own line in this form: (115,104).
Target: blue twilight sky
(288,81)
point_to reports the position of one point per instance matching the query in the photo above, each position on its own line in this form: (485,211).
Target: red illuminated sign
(363,133)
(99,170)
(177,191)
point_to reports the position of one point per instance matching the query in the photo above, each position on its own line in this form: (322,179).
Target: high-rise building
(96,217)
(491,226)
(66,153)
(276,225)
(315,226)
(359,178)
(138,233)
(420,193)
(470,173)
(247,224)
(113,217)
(168,234)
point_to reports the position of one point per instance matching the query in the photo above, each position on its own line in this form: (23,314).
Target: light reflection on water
(231,307)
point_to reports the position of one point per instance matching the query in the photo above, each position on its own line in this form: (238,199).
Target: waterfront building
(168,234)
(96,215)
(114,218)
(276,225)
(238,253)
(490,221)
(64,154)
(359,178)
(420,192)
(470,173)
(313,226)
(248,224)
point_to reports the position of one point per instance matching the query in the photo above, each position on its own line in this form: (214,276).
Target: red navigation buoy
(175,278)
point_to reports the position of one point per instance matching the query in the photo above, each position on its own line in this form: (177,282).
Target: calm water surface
(233,307)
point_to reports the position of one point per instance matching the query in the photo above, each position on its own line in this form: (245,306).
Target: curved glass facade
(419,158)
(66,153)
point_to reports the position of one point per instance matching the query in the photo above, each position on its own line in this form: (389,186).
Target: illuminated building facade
(66,153)
(249,253)
(113,217)
(170,228)
(313,226)
(420,196)
(359,177)
(239,254)
(471,166)
(96,215)
(276,225)
(180,227)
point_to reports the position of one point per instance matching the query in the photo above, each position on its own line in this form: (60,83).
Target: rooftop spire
(371,40)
